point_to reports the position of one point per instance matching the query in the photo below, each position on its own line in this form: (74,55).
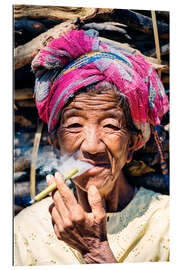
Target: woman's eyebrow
(111,114)
(75,111)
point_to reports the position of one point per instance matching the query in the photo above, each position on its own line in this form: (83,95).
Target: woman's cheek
(69,142)
(118,151)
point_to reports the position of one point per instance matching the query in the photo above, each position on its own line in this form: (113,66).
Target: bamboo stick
(37,139)
(156,38)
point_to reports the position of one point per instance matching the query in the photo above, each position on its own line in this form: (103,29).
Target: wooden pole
(156,38)
(37,139)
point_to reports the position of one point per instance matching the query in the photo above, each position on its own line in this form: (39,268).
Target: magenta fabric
(80,58)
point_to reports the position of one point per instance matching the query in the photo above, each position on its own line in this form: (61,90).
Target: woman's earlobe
(129,156)
(53,141)
(135,140)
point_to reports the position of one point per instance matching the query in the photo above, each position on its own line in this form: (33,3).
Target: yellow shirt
(139,233)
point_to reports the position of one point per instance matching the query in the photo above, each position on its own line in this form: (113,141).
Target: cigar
(52,187)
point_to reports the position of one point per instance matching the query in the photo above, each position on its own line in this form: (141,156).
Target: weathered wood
(156,38)
(57,12)
(22,121)
(26,103)
(21,164)
(164,51)
(28,25)
(23,94)
(22,188)
(24,54)
(140,22)
(107,26)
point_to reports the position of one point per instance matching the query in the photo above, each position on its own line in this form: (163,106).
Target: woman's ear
(134,142)
(52,139)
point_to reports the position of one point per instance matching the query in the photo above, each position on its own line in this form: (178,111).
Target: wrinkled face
(95,126)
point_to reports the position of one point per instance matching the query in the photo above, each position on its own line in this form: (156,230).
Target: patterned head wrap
(79,59)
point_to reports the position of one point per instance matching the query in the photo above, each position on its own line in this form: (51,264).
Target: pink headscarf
(78,59)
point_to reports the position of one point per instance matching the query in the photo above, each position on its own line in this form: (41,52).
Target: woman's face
(95,126)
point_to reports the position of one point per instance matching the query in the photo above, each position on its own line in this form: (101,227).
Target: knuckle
(68,224)
(55,196)
(100,218)
(78,216)
(98,201)
(77,219)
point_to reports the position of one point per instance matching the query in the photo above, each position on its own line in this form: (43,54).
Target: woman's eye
(75,125)
(110,126)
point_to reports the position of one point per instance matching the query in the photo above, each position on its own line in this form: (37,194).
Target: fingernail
(92,189)
(48,177)
(57,175)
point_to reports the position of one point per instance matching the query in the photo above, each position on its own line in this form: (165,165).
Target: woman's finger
(62,209)
(56,230)
(67,204)
(56,219)
(66,194)
(50,179)
(96,203)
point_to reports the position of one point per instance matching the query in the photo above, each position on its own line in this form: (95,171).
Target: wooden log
(164,51)
(26,103)
(140,22)
(24,54)
(23,94)
(23,188)
(57,12)
(21,164)
(156,39)
(22,121)
(114,27)
(30,26)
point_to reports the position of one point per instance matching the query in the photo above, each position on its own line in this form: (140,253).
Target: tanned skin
(95,126)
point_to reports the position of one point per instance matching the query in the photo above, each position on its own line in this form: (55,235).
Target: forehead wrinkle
(72,111)
(113,113)
(106,104)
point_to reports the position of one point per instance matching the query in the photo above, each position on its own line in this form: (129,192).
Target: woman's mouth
(98,168)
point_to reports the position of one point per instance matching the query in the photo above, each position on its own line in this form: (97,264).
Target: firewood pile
(34,27)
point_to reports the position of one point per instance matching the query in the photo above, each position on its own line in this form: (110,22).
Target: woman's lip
(97,168)
(100,164)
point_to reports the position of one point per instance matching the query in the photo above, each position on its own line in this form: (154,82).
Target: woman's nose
(92,142)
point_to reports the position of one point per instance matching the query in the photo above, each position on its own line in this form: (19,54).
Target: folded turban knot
(79,59)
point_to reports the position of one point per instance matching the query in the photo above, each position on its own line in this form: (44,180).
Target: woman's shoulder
(152,198)
(34,213)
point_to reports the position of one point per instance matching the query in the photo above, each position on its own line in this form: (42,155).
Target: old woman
(99,100)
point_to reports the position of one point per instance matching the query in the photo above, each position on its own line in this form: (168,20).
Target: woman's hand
(83,231)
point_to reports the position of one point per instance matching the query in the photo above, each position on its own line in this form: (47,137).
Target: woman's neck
(121,194)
